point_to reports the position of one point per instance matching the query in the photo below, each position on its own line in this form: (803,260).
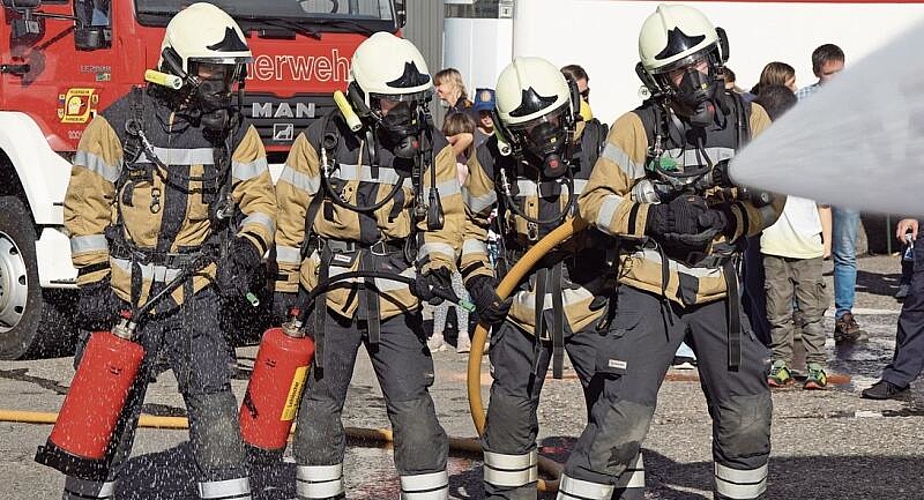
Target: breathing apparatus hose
(505,288)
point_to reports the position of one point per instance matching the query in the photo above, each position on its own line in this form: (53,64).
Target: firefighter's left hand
(434,286)
(718,221)
(237,270)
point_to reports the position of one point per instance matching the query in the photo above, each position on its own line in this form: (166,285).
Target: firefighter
(384,197)
(532,171)
(661,186)
(167,183)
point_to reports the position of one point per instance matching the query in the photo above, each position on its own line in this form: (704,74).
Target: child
(793,250)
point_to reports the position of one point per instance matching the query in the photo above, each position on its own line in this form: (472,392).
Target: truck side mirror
(92,29)
(400,13)
(27,26)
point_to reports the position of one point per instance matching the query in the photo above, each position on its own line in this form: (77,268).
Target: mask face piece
(214,94)
(400,120)
(696,92)
(544,139)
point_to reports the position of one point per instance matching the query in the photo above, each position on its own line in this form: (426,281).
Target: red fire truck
(63,60)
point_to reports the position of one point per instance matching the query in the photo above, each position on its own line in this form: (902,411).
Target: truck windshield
(322,15)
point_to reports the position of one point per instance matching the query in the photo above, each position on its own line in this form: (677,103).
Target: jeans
(844,239)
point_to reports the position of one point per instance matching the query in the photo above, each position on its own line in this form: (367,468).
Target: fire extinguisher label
(295,393)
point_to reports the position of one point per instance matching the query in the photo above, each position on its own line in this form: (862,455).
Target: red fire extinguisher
(81,437)
(276,385)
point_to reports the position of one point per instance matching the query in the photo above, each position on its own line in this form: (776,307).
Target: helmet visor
(400,113)
(543,135)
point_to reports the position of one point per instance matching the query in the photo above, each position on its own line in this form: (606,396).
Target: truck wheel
(21,301)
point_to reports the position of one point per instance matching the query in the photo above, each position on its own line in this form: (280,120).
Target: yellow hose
(470,445)
(504,289)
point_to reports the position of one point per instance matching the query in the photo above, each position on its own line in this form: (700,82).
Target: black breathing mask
(212,94)
(697,94)
(545,140)
(400,127)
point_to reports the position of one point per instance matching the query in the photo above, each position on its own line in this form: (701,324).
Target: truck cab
(62,61)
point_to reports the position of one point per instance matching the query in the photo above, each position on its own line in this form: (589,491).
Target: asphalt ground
(826,444)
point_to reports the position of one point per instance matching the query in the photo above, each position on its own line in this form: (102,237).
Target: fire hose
(476,405)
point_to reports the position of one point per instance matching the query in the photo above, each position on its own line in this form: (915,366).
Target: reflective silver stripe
(449,188)
(740,484)
(230,489)
(181,156)
(526,187)
(248,170)
(96,164)
(386,175)
(319,481)
(585,490)
(633,477)
(149,271)
(260,219)
(478,204)
(511,470)
(89,243)
(432,486)
(381,284)
(444,248)
(474,247)
(694,158)
(387,285)
(308,183)
(81,489)
(569,297)
(699,272)
(615,154)
(607,211)
(288,255)
(579,185)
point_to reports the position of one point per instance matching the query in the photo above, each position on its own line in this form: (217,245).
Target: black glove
(237,270)
(718,220)
(680,216)
(434,286)
(98,307)
(282,304)
(491,309)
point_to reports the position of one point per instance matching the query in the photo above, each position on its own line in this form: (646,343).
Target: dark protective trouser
(191,340)
(643,341)
(404,369)
(510,463)
(908,359)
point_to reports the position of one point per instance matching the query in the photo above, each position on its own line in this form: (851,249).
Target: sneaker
(780,375)
(884,390)
(463,345)
(847,331)
(684,363)
(902,293)
(817,378)
(436,343)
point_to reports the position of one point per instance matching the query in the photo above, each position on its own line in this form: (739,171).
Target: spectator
(776,73)
(908,358)
(730,80)
(459,129)
(793,250)
(827,61)
(577,74)
(483,110)
(451,90)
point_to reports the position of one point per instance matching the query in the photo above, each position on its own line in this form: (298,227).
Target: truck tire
(21,301)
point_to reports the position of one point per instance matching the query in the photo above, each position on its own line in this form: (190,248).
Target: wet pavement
(826,444)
